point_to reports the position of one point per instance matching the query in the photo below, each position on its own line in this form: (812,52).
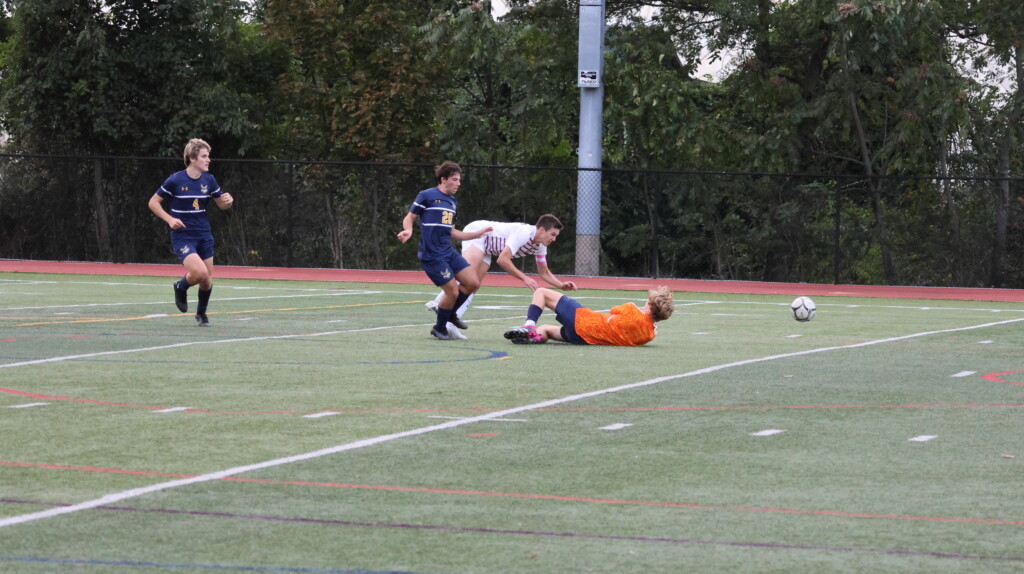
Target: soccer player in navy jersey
(436,208)
(188,191)
(506,242)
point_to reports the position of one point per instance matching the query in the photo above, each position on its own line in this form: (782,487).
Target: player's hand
(531,283)
(482,232)
(568,286)
(176,223)
(225,200)
(404,235)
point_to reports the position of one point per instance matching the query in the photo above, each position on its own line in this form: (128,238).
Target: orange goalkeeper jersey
(626,326)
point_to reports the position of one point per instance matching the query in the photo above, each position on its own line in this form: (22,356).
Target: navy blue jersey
(188,198)
(436,211)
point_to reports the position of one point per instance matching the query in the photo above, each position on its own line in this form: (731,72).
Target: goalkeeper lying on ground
(626,324)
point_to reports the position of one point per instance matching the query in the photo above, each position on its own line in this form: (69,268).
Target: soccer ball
(803,309)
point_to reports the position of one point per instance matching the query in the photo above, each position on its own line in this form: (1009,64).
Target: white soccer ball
(803,309)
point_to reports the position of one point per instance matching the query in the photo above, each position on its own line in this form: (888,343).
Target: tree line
(884,135)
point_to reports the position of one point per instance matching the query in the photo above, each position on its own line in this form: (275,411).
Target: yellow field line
(77,321)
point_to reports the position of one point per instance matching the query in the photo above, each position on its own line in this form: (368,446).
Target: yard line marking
(243,312)
(985,342)
(191,343)
(964,374)
(173,410)
(768,432)
(492,420)
(364,443)
(319,415)
(617,426)
(923,438)
(303,295)
(27,405)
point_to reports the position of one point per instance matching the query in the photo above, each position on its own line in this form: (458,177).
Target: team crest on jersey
(205,189)
(446,274)
(184,249)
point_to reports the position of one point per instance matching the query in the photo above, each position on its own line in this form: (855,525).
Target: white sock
(437,299)
(530,324)
(465,306)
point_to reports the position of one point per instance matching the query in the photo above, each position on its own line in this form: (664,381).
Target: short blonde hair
(660,302)
(192,149)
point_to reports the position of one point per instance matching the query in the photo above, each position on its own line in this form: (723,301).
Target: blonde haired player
(626,325)
(188,191)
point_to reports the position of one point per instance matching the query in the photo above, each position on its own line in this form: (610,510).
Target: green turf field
(318,427)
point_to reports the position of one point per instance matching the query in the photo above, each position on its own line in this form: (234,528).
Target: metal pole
(590,82)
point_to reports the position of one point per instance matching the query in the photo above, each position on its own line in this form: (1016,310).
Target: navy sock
(460,300)
(533,313)
(442,319)
(183,284)
(204,300)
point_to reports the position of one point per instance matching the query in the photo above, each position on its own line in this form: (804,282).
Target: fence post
(100,205)
(838,234)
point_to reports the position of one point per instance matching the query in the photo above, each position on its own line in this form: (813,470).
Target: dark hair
(446,170)
(548,221)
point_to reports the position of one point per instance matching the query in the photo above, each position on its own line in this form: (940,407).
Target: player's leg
(195,272)
(543,298)
(205,290)
(204,250)
(550,332)
(480,263)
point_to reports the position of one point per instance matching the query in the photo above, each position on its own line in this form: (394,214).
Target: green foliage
(358,86)
(506,83)
(132,77)
(855,91)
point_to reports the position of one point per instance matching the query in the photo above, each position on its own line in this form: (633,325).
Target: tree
(357,88)
(126,77)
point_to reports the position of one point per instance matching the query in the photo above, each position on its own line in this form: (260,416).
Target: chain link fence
(966,232)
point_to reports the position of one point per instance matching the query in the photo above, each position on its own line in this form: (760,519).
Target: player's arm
(406,231)
(156,205)
(464,236)
(224,201)
(545,273)
(505,262)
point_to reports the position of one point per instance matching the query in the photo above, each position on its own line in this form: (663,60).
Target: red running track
(503,280)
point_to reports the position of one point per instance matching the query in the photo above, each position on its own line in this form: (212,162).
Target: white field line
(304,295)
(135,492)
(307,292)
(259,298)
(190,343)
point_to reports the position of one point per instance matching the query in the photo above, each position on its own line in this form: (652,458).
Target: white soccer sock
(465,306)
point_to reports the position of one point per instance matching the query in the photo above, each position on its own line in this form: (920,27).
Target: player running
(188,191)
(436,208)
(508,241)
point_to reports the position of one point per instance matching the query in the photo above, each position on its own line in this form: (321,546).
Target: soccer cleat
(454,333)
(202,320)
(431,306)
(440,335)
(524,336)
(454,319)
(180,298)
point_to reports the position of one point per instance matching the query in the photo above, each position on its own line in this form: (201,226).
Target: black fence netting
(955,231)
